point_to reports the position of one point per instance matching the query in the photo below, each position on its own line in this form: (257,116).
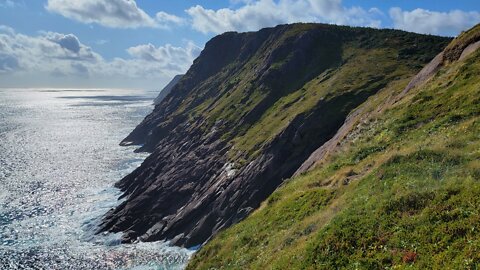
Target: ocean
(59,159)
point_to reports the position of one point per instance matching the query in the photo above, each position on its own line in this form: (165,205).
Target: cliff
(397,186)
(167,89)
(247,114)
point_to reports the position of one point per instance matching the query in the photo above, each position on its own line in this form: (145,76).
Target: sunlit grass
(402,192)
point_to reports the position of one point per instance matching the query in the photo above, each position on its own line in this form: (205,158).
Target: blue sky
(143,43)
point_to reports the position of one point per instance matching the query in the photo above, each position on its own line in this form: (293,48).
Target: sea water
(59,159)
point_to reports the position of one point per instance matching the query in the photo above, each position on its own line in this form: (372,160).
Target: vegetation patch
(415,206)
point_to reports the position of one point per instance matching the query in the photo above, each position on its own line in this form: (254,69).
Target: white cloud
(432,22)
(264,13)
(69,42)
(111,13)
(168,56)
(165,20)
(149,61)
(44,51)
(6,29)
(56,55)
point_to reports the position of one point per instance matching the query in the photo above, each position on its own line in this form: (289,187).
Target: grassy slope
(412,200)
(357,74)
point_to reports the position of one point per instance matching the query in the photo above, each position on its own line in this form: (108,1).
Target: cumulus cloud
(150,62)
(64,55)
(41,52)
(263,13)
(165,19)
(6,29)
(69,41)
(111,13)
(164,55)
(431,22)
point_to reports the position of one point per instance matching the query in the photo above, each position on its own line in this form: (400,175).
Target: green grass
(356,75)
(403,192)
(250,108)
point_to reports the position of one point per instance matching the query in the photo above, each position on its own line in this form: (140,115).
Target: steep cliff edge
(397,187)
(246,115)
(167,89)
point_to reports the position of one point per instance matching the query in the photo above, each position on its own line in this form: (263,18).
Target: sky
(142,44)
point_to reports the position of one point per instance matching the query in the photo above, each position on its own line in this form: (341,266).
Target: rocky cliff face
(167,89)
(251,109)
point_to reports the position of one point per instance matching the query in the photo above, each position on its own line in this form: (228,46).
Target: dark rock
(167,89)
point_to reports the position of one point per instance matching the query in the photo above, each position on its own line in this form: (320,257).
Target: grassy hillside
(249,111)
(402,191)
(255,109)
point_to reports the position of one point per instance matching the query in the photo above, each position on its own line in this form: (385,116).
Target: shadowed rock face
(199,178)
(167,89)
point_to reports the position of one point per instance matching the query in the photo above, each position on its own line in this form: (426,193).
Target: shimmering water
(59,158)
